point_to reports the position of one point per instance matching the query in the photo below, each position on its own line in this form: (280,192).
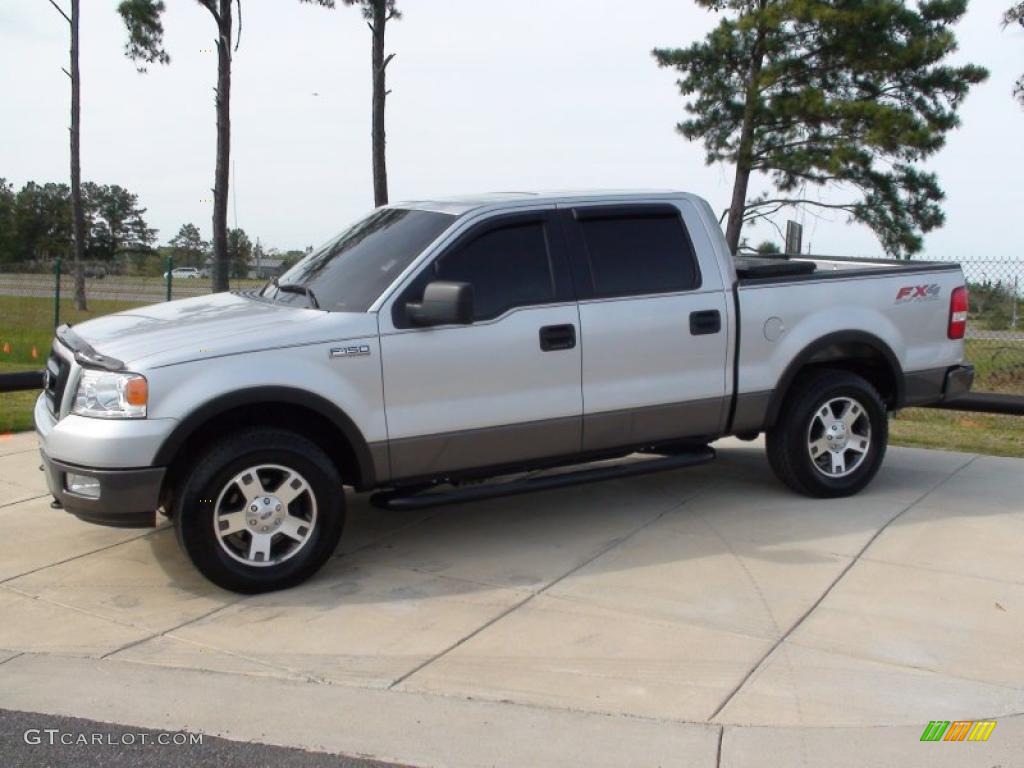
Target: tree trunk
(380,172)
(744,158)
(77,215)
(737,207)
(220,183)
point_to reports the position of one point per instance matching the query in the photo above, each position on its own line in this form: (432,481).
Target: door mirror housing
(443,303)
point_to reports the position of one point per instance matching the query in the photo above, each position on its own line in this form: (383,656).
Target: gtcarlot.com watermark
(58,737)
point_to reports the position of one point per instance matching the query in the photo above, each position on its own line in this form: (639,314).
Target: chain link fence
(107,290)
(36,298)
(33,303)
(995,329)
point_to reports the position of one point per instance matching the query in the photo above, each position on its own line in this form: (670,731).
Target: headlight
(106,395)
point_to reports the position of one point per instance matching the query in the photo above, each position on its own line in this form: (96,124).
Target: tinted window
(639,254)
(507,267)
(353,270)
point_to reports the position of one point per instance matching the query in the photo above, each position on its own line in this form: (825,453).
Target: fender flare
(270,395)
(819,345)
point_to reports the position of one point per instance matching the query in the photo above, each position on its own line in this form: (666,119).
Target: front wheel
(261,510)
(831,435)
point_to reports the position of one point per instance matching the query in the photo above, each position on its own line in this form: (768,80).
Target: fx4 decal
(917,293)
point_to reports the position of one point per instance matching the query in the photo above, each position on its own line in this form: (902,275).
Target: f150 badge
(356,351)
(918,293)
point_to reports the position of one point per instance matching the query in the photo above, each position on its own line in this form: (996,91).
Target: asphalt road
(140,748)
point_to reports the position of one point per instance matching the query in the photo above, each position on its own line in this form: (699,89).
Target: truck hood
(210,326)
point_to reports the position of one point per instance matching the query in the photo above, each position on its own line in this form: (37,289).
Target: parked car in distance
(93,271)
(437,343)
(183,273)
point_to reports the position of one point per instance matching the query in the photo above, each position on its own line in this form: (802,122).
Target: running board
(397,500)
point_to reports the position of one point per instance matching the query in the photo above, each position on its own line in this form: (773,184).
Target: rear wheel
(830,436)
(261,510)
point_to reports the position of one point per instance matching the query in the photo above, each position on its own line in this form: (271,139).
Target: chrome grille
(55,380)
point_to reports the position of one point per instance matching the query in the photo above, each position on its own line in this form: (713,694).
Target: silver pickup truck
(445,341)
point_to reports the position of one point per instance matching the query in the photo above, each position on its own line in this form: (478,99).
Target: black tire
(322,499)
(789,442)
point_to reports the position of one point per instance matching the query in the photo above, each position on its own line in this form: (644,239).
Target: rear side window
(509,266)
(639,253)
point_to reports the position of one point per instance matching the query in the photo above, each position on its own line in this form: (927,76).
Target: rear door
(653,325)
(506,388)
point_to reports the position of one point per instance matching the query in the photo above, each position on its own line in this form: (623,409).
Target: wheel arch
(858,352)
(300,411)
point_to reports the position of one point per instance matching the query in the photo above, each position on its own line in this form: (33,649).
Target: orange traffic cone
(34,353)
(7,348)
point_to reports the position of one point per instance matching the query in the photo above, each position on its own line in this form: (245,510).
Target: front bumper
(98,449)
(100,443)
(127,498)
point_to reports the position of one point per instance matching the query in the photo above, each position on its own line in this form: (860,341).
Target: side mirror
(443,303)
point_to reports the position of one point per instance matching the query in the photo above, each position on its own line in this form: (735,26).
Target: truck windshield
(352,270)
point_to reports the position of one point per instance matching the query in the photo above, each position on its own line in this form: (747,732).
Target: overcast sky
(486,96)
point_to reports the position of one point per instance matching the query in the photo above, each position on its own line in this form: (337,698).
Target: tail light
(958,313)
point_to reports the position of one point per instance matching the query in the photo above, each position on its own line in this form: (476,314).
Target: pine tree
(377,14)
(815,93)
(115,221)
(189,248)
(8,238)
(79,234)
(1015,15)
(240,252)
(144,22)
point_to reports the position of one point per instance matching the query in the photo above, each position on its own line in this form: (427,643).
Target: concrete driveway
(701,617)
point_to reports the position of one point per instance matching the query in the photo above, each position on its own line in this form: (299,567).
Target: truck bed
(902,306)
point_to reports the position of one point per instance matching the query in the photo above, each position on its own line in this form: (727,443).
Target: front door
(505,389)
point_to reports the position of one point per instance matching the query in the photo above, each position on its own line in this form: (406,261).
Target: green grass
(999,367)
(959,431)
(16,407)
(26,324)
(26,332)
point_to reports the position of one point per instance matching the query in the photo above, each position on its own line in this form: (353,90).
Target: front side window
(355,268)
(509,266)
(632,254)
